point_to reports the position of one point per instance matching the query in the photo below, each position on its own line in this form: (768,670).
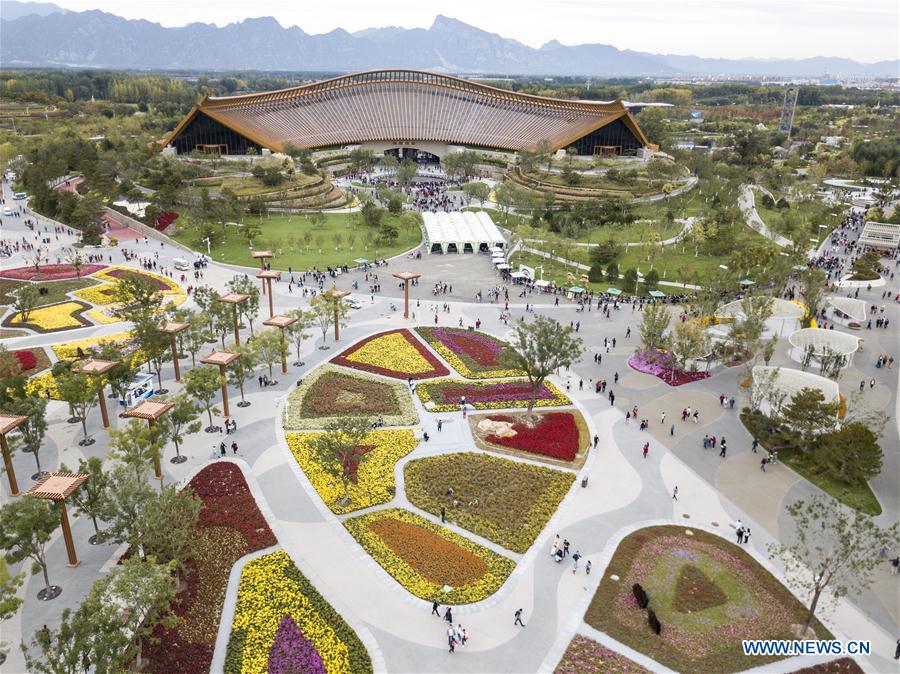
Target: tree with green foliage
(629,281)
(298,331)
(136,445)
(249,308)
(654,323)
(155,345)
(170,527)
(478,191)
(651,279)
(69,647)
(361,160)
(26,525)
(138,298)
(612,272)
(322,310)
(12,381)
(202,384)
(849,454)
(205,297)
(542,347)
(407,171)
(122,506)
(9,587)
(30,433)
(687,342)
(89,498)
(340,450)
(27,299)
(242,369)
(268,346)
(389,163)
(372,214)
(179,422)
(815,285)
(807,416)
(834,548)
(120,376)
(80,392)
(196,336)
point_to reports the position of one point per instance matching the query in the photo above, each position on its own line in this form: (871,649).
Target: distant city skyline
(863,30)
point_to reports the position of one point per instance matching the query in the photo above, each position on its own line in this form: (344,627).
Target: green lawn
(296,241)
(56,290)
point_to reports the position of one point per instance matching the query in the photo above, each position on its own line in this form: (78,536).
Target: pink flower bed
(50,272)
(659,364)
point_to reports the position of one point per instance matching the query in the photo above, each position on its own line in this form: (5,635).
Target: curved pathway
(747,204)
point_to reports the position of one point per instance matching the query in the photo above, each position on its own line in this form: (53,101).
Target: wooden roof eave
(623,114)
(270,143)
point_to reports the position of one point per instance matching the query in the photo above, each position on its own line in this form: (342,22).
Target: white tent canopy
(821,343)
(848,308)
(787,382)
(781,309)
(460,232)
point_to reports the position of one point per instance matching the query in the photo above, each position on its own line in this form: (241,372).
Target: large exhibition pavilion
(408,111)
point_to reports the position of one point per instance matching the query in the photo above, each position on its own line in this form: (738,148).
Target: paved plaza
(624,491)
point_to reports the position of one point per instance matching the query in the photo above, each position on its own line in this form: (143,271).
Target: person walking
(587,568)
(435,609)
(740,534)
(234,448)
(672,430)
(575,559)
(596,440)
(519,618)
(675,493)
(463,635)
(662,418)
(448,615)
(451,638)
(443,515)
(746,536)
(646,449)
(762,463)
(222,449)
(754,445)
(565,547)
(723,448)
(440,424)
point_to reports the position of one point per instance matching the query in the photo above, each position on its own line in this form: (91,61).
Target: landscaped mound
(373,481)
(428,560)
(555,434)
(507,502)
(659,364)
(395,353)
(52,318)
(445,395)
(475,355)
(282,625)
(707,593)
(586,656)
(230,526)
(50,272)
(330,392)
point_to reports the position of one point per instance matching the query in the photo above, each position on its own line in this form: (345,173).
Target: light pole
(208,246)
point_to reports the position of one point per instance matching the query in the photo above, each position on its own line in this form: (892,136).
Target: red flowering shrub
(27,359)
(50,272)
(555,435)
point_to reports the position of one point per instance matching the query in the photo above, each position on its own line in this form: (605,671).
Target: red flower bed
(27,360)
(555,435)
(49,272)
(163,221)
(227,503)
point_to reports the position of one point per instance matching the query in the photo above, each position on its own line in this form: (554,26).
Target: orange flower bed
(434,558)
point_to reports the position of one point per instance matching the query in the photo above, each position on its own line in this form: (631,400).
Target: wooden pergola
(58,487)
(234,299)
(98,368)
(336,296)
(406,277)
(267,276)
(151,410)
(222,359)
(8,423)
(282,322)
(172,328)
(262,256)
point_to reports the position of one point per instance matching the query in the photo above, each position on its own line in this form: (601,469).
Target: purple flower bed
(291,652)
(487,351)
(659,364)
(123,273)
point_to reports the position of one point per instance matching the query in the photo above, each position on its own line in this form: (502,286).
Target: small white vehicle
(353,303)
(7,212)
(141,388)
(18,196)
(181,264)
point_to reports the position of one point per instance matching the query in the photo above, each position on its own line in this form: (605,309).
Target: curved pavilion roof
(791,381)
(781,309)
(405,106)
(823,340)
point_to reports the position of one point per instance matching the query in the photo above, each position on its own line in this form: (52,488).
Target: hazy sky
(865,30)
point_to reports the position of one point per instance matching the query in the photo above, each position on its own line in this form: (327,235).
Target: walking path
(747,204)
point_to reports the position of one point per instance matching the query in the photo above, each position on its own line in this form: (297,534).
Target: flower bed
(706,634)
(395,353)
(105,315)
(443,395)
(586,656)
(507,502)
(69,350)
(331,392)
(31,361)
(659,364)
(50,272)
(52,318)
(374,481)
(283,626)
(428,560)
(556,434)
(101,294)
(230,526)
(474,355)
(114,274)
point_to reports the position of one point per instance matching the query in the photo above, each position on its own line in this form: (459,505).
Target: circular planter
(97,539)
(244,403)
(212,429)
(47,594)
(178,459)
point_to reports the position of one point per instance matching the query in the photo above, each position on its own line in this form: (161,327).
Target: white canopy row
(461,232)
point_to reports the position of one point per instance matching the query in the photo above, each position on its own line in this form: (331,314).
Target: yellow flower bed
(427,556)
(108,274)
(272,588)
(375,475)
(53,317)
(99,294)
(68,350)
(42,386)
(104,314)
(392,351)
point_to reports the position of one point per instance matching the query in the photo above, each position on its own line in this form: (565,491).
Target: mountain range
(45,35)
